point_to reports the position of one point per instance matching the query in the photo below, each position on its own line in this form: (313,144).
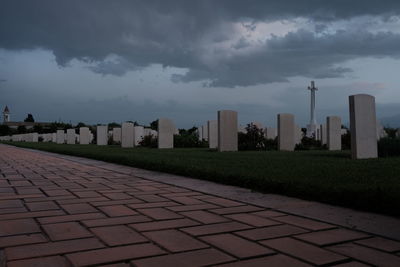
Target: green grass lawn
(330,177)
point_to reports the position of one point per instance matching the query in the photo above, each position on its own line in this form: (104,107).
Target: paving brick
(252,220)
(8,197)
(12,210)
(185,200)
(237,246)
(108,255)
(269,213)
(152,205)
(78,208)
(41,199)
(71,218)
(25,190)
(175,241)
(223,202)
(81,200)
(271,232)
(367,255)
(14,203)
(118,235)
(146,188)
(273,261)
(86,194)
(380,243)
(191,207)
(117,196)
(352,264)
(196,258)
(116,221)
(10,241)
(64,231)
(39,206)
(117,210)
(215,228)
(116,202)
(330,237)
(305,223)
(20,183)
(152,198)
(53,248)
(304,251)
(204,216)
(116,265)
(160,213)
(15,227)
(59,192)
(160,225)
(41,262)
(239,209)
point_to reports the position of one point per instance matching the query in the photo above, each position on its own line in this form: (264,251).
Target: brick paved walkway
(58,212)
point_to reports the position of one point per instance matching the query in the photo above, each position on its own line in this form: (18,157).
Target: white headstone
(212,134)
(147,131)
(286,132)
(60,137)
(363,126)
(298,135)
(380,131)
(127,135)
(84,136)
(334,132)
(200,132)
(54,137)
(139,134)
(318,133)
(91,137)
(324,135)
(154,133)
(205,132)
(227,130)
(117,135)
(71,136)
(271,133)
(35,137)
(102,135)
(166,129)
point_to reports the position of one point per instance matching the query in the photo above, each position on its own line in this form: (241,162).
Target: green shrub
(271,144)
(389,147)
(346,141)
(149,141)
(253,139)
(188,138)
(308,143)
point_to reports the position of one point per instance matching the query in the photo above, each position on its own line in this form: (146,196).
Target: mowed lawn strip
(325,176)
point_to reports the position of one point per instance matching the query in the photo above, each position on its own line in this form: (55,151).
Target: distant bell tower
(6,115)
(311,128)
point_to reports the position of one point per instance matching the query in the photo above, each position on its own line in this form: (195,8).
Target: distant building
(14,124)
(6,115)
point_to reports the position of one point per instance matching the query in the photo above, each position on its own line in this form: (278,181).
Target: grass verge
(330,177)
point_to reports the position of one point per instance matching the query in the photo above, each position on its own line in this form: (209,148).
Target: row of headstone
(223,133)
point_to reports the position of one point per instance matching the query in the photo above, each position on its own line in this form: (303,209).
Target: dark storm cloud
(176,33)
(300,53)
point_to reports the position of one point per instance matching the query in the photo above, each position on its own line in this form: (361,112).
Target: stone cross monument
(311,128)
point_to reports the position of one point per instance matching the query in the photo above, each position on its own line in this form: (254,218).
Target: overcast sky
(100,61)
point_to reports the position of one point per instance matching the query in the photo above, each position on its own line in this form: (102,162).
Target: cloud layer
(224,43)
